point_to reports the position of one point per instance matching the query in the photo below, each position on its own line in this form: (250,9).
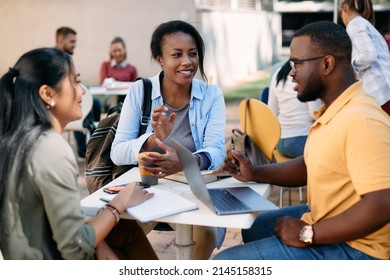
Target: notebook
(222,201)
(163,203)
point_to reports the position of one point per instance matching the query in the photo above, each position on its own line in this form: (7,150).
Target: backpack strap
(146,105)
(115,109)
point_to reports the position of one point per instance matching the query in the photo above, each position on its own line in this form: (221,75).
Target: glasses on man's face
(294,62)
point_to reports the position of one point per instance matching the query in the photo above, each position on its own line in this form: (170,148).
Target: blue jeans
(292,147)
(261,243)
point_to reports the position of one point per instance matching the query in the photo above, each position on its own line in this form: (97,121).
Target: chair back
(86,107)
(279,157)
(261,124)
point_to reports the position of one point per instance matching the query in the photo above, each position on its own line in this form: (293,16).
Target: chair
(86,107)
(259,122)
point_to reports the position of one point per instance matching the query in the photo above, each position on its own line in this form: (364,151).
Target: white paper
(163,203)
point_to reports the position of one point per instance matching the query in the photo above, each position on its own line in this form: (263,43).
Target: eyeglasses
(294,62)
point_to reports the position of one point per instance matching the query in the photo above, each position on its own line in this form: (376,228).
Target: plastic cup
(146,176)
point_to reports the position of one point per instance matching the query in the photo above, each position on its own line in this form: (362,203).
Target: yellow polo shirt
(347,154)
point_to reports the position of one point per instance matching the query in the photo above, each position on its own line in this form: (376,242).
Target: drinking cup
(146,177)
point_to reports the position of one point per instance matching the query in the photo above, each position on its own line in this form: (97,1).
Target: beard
(313,90)
(68,51)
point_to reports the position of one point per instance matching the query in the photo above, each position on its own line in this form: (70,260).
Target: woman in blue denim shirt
(183,108)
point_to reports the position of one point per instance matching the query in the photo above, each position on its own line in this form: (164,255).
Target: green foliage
(250,89)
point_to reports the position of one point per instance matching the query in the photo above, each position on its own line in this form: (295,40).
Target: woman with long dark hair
(40,214)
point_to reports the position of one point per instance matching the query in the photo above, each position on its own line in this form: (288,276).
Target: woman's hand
(164,164)
(162,125)
(129,196)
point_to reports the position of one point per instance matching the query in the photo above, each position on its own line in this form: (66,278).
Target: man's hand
(237,165)
(288,230)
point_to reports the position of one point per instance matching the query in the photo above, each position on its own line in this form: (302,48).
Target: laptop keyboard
(225,201)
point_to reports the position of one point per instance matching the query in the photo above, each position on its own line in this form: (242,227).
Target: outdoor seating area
(163,241)
(188,139)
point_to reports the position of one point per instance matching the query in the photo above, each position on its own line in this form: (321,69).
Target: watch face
(306,234)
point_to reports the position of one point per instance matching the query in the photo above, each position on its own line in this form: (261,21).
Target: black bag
(100,170)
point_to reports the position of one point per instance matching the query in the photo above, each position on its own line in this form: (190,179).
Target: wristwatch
(306,234)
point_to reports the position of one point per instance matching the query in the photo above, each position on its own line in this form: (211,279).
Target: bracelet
(115,212)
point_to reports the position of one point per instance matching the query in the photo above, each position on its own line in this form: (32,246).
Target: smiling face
(118,52)
(68,100)
(179,58)
(309,85)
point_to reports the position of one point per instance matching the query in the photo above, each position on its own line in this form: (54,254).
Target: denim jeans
(292,147)
(261,243)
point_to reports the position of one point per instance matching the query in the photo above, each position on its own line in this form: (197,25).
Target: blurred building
(242,37)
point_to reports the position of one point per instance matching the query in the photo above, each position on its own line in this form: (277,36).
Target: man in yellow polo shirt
(346,164)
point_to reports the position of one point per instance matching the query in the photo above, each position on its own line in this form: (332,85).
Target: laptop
(222,201)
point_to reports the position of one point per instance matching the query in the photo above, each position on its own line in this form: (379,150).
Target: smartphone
(113,190)
(116,189)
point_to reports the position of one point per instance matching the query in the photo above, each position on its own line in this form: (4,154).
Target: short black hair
(329,38)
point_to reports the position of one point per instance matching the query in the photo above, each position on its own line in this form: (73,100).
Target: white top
(295,117)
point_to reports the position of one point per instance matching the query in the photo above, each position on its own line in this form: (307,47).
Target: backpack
(100,170)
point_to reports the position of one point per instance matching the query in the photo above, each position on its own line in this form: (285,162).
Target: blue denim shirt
(207,115)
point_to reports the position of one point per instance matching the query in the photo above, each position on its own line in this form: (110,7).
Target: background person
(117,67)
(346,165)
(295,117)
(370,53)
(183,108)
(66,41)
(40,213)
